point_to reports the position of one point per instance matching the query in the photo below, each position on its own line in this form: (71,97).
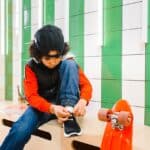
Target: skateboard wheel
(124,118)
(104,114)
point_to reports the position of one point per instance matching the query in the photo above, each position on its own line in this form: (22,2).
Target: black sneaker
(71,127)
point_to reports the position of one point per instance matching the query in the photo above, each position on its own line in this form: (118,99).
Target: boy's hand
(61,113)
(80,108)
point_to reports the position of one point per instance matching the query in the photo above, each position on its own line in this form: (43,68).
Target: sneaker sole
(72,134)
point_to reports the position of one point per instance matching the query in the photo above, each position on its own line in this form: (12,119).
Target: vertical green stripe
(48,11)
(111,53)
(147,74)
(76,29)
(8,50)
(26,32)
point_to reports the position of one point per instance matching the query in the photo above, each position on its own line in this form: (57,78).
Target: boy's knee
(69,64)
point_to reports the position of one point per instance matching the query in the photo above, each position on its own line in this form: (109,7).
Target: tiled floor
(93,130)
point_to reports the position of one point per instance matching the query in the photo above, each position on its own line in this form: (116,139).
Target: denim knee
(69,63)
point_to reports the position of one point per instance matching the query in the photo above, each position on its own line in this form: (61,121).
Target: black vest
(48,79)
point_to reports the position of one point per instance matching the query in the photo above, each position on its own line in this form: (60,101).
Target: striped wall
(105,36)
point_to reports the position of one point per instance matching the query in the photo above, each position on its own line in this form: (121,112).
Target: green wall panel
(26,34)
(147,67)
(111,85)
(77,45)
(111,92)
(8,50)
(147,74)
(112,3)
(111,67)
(76,25)
(76,7)
(112,18)
(26,4)
(111,46)
(147,89)
(48,11)
(149,15)
(76,29)
(147,114)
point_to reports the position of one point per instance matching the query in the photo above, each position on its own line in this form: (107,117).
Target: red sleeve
(85,86)
(31,92)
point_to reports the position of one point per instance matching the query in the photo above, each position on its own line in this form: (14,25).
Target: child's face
(52,59)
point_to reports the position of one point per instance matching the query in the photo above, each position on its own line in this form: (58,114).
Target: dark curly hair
(47,38)
(34,52)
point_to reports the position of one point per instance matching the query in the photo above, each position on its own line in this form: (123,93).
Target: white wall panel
(91,23)
(59,9)
(134,92)
(96,90)
(133,67)
(131,1)
(17,46)
(36,16)
(132,16)
(62,17)
(92,67)
(138,115)
(91,45)
(132,42)
(90,5)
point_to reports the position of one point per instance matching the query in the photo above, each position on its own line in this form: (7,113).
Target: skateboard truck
(118,120)
(115,123)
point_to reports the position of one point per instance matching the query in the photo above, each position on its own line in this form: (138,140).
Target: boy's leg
(69,94)
(22,129)
(69,86)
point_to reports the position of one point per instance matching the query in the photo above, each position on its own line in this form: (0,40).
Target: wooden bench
(90,125)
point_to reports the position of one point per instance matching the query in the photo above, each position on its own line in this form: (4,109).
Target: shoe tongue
(69,109)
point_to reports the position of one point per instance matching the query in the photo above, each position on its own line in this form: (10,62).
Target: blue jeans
(22,129)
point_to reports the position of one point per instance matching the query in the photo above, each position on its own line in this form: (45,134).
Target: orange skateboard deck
(119,127)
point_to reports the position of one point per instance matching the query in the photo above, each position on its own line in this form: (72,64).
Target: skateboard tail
(116,139)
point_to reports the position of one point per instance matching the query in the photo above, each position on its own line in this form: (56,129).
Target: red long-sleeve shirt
(38,102)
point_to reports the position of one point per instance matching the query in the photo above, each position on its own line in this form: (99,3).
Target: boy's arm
(31,92)
(85,86)
(85,95)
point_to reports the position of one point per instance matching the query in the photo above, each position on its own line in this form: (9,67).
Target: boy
(54,88)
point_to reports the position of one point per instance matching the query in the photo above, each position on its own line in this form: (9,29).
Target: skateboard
(119,126)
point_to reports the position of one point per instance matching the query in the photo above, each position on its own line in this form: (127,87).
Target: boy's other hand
(80,108)
(61,112)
